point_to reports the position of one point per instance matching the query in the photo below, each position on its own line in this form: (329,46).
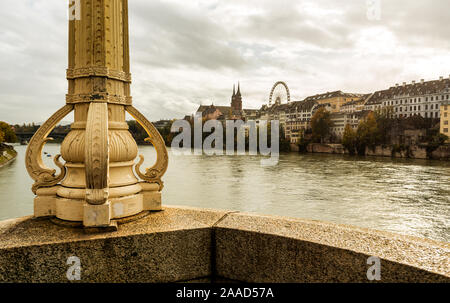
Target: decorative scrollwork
(152,174)
(42,175)
(97,154)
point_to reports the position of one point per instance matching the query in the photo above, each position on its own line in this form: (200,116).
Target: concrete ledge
(188,244)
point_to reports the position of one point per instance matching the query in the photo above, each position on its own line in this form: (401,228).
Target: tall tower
(236,99)
(97,185)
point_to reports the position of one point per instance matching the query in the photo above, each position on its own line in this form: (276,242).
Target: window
(446,122)
(445,130)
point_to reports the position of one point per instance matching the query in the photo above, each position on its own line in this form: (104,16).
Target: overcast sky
(187,53)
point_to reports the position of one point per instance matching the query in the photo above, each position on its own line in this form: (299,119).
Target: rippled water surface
(399,195)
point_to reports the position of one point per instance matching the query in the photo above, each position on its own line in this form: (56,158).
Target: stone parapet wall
(326,148)
(188,244)
(442,153)
(414,151)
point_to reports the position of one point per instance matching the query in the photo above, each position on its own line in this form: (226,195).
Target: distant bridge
(26,136)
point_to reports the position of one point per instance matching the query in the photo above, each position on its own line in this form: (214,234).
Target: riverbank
(7,154)
(412,152)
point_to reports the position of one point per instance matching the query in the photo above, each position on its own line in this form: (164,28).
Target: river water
(400,195)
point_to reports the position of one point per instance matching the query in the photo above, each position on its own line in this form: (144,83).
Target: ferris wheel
(279,94)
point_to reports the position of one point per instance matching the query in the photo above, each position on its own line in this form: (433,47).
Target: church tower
(236,99)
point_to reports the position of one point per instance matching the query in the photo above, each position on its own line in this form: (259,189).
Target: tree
(2,136)
(303,143)
(285,144)
(9,135)
(385,124)
(349,139)
(367,134)
(321,125)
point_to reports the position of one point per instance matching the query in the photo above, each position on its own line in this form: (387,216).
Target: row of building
(429,99)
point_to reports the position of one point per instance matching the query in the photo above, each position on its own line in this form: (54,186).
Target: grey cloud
(185,53)
(176,36)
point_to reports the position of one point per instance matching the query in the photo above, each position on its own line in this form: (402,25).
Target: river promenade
(7,154)
(412,152)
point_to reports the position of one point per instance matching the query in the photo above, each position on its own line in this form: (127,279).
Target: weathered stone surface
(413,151)
(380,151)
(325,148)
(255,248)
(172,245)
(442,152)
(188,244)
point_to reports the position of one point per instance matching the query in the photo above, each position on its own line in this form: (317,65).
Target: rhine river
(400,195)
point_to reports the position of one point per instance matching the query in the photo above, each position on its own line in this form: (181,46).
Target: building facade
(336,99)
(416,99)
(445,119)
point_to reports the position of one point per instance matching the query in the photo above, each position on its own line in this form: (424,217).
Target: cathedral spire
(236,99)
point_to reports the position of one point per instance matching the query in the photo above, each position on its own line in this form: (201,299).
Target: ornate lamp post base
(99,182)
(50,202)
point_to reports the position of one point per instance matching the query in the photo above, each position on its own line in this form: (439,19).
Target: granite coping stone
(28,231)
(426,254)
(168,246)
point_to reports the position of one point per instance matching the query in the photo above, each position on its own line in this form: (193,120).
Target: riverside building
(428,99)
(422,98)
(445,119)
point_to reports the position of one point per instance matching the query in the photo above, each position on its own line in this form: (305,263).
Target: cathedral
(233,112)
(236,99)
